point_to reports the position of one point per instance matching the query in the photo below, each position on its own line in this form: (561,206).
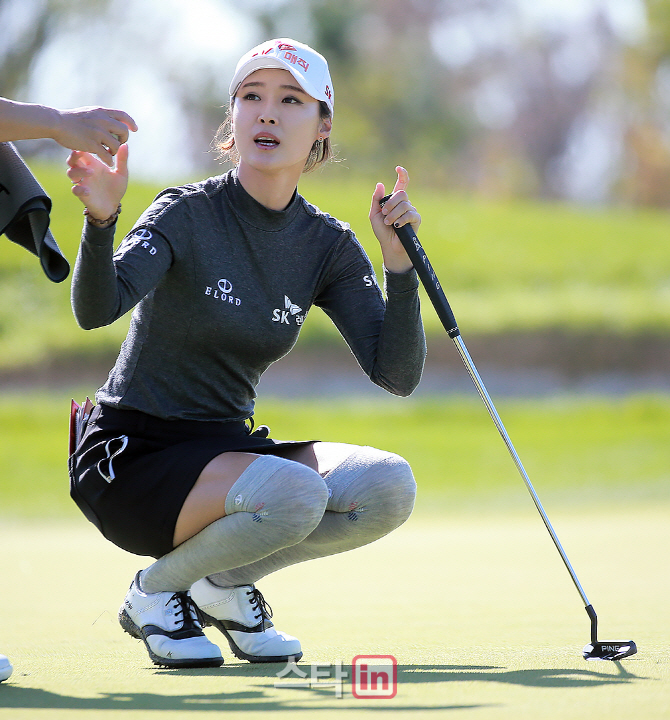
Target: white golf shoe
(5,667)
(169,626)
(243,616)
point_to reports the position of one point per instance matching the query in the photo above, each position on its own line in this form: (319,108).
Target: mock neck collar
(254,213)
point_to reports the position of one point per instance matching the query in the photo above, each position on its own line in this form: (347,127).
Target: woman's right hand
(99,187)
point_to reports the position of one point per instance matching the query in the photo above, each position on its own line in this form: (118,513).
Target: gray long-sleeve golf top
(221,286)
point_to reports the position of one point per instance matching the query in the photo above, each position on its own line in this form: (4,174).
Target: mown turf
(478,611)
(470,596)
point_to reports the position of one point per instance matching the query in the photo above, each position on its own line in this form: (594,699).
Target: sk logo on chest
(288,312)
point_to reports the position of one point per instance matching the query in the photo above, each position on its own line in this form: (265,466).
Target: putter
(596,649)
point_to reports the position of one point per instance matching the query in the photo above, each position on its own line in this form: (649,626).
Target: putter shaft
(476,379)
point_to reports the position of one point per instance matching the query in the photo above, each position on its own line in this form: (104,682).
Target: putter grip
(427,276)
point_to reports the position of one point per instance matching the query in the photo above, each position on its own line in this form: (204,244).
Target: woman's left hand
(99,187)
(397,211)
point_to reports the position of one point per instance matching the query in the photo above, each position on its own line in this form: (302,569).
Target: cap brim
(257,63)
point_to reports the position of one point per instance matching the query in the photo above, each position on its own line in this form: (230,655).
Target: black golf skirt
(131,472)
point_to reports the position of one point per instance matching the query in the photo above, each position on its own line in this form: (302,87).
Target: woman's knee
(373,481)
(282,493)
(392,483)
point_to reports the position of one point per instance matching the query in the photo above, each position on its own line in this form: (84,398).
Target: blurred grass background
(578,452)
(516,265)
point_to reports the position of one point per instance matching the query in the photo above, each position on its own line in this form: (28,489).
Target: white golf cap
(306,65)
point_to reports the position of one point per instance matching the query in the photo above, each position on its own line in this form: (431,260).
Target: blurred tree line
(501,98)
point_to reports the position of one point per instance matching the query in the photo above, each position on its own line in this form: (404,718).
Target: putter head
(612,650)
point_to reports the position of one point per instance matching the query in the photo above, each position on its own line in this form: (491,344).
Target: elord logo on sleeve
(141,239)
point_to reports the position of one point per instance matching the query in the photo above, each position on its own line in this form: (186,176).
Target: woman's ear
(325,127)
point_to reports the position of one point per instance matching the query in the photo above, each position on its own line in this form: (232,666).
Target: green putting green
(476,608)
(470,596)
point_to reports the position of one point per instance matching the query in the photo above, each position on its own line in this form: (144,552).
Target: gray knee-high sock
(274,503)
(371,493)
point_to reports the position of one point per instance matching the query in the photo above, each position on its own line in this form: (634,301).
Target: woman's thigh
(321,456)
(207,500)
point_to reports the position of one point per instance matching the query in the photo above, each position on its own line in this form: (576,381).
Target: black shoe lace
(259,603)
(192,618)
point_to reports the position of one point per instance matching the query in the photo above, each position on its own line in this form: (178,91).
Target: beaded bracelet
(103,223)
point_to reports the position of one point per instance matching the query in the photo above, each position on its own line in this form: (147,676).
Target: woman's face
(275,122)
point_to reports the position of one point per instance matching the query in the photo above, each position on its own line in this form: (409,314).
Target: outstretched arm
(91,129)
(106,284)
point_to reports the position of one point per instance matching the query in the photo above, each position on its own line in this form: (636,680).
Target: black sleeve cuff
(400,282)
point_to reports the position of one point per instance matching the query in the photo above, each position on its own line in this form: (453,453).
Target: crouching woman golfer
(223,273)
